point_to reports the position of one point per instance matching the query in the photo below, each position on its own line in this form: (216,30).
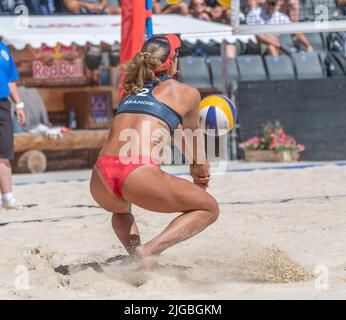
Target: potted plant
(274,146)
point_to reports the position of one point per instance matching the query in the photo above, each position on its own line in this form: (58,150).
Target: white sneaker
(12,205)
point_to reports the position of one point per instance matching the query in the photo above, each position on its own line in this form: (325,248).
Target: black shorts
(6,131)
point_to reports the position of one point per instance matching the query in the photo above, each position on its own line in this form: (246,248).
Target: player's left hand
(200,174)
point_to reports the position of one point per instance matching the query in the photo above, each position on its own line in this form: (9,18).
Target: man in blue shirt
(8,88)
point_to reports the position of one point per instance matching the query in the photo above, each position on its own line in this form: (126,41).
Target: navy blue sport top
(144,102)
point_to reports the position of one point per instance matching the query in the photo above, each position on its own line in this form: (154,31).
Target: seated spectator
(35,7)
(8,7)
(341,4)
(36,111)
(113,7)
(36,115)
(220,14)
(210,10)
(41,7)
(290,7)
(211,3)
(268,14)
(198,9)
(161,6)
(86,6)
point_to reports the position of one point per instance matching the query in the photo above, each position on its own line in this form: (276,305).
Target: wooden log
(68,160)
(76,140)
(33,161)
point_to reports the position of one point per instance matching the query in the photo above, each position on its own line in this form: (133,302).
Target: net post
(149,20)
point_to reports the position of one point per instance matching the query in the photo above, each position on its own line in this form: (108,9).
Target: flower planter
(269,156)
(264,148)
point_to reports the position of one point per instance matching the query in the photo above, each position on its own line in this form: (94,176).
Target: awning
(95,29)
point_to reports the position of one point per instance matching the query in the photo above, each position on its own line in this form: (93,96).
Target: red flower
(274,143)
(254,142)
(301,148)
(273,137)
(282,134)
(270,130)
(290,142)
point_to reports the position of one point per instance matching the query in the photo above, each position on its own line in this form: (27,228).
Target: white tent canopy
(50,30)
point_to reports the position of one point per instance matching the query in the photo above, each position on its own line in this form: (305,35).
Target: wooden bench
(32,146)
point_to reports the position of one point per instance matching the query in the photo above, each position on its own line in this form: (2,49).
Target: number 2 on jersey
(143,92)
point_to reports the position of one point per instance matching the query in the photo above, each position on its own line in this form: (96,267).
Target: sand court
(281,235)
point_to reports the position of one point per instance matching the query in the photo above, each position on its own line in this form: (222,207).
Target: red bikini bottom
(115,169)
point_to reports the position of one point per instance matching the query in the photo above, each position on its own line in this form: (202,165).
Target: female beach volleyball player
(152,99)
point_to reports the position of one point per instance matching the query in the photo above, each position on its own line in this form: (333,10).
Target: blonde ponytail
(140,70)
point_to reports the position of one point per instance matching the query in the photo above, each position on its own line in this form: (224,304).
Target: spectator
(113,7)
(86,6)
(161,6)
(7,7)
(268,14)
(211,3)
(198,9)
(220,14)
(291,8)
(210,10)
(341,4)
(41,7)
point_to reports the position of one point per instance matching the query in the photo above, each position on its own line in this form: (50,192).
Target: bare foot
(147,260)
(133,244)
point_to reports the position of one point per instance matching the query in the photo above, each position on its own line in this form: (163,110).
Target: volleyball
(217,112)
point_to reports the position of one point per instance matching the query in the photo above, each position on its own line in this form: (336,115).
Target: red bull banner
(52,66)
